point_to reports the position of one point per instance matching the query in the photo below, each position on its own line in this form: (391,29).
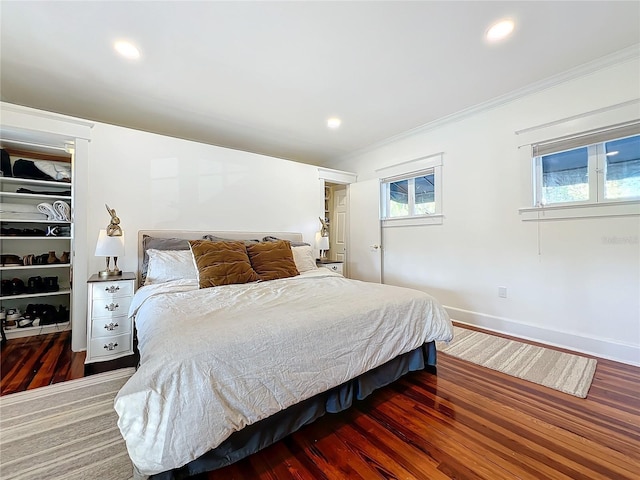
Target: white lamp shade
(109,246)
(322,243)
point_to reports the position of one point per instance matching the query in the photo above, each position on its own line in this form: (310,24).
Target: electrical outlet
(502,292)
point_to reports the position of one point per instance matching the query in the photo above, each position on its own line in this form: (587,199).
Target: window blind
(586,138)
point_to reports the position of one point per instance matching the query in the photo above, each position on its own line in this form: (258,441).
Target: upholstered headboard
(197,235)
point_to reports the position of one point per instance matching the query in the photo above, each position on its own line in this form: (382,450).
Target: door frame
(340,177)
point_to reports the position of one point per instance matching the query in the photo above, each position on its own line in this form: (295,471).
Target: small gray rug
(64,431)
(561,371)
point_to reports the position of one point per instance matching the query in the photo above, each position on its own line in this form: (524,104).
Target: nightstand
(109,329)
(331,265)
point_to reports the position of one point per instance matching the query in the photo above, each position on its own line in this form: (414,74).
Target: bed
(231,366)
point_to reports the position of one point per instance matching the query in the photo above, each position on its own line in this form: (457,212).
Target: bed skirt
(255,437)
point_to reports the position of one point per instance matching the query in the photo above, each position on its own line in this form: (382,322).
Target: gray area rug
(561,371)
(64,431)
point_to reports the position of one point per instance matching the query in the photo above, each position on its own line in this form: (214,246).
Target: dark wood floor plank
(585,417)
(32,362)
(362,433)
(352,463)
(540,445)
(323,450)
(356,450)
(498,435)
(446,432)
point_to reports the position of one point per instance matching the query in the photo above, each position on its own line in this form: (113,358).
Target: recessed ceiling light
(500,30)
(334,122)
(127,49)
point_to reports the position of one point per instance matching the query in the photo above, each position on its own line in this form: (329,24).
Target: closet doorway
(336,208)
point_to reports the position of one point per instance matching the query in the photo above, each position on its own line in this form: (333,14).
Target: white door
(339,224)
(365,252)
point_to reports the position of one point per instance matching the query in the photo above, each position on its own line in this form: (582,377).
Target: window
(601,167)
(411,197)
(411,192)
(622,168)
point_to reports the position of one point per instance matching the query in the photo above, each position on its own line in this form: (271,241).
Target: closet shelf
(29,181)
(65,291)
(34,267)
(39,330)
(34,196)
(32,237)
(22,220)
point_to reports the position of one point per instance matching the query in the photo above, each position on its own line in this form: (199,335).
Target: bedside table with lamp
(110,331)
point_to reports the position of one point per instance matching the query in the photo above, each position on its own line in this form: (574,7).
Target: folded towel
(62,210)
(43,192)
(18,208)
(22,216)
(20,211)
(58,171)
(48,210)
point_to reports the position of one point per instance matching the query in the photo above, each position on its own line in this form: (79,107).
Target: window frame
(596,175)
(430,165)
(594,140)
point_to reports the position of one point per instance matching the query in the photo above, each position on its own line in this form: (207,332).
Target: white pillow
(168,265)
(304,258)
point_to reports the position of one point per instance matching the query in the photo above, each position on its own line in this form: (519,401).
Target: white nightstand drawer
(112,289)
(109,330)
(109,346)
(334,267)
(110,307)
(109,327)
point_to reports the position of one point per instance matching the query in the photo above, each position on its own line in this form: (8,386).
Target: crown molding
(621,56)
(21,109)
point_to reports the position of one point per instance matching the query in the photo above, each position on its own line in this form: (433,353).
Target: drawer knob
(111,346)
(112,289)
(111,307)
(111,326)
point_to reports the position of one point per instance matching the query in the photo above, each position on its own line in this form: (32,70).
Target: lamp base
(110,273)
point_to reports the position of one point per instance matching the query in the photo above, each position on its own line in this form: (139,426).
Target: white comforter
(214,360)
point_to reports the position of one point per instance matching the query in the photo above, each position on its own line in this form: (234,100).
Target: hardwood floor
(468,422)
(31,362)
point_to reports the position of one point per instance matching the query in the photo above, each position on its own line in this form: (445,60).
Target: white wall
(159,182)
(577,286)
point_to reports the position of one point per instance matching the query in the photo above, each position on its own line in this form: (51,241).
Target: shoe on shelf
(24,322)
(10,260)
(47,314)
(18,286)
(63,314)
(51,284)
(31,311)
(13,317)
(7,288)
(35,285)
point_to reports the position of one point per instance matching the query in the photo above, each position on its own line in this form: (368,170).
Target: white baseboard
(598,347)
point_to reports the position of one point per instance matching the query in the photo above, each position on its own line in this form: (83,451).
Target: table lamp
(110,246)
(322,244)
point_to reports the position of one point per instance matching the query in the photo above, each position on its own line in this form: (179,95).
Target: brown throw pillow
(272,260)
(222,263)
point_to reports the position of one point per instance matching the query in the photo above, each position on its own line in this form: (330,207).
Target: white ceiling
(265,76)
